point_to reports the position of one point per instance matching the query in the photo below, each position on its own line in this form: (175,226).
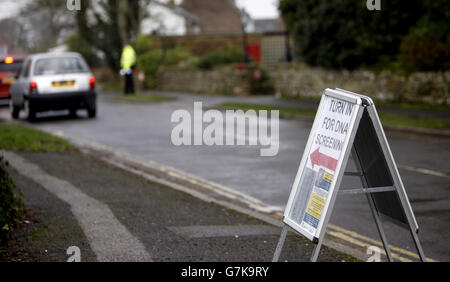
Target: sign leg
(418,245)
(372,207)
(316,251)
(379,228)
(277,254)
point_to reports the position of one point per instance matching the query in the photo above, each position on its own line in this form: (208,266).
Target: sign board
(346,123)
(380,169)
(322,163)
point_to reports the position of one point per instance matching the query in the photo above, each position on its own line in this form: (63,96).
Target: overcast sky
(260,9)
(10,8)
(256,8)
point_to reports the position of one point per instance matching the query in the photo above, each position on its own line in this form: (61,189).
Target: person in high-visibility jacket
(127,64)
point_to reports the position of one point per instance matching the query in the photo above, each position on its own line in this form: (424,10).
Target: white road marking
(425,171)
(108,238)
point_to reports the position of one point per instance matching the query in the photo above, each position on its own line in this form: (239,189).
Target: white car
(53,81)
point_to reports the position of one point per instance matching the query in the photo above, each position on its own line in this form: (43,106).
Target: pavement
(113,215)
(142,132)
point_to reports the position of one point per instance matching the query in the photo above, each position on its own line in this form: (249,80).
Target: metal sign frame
(366,106)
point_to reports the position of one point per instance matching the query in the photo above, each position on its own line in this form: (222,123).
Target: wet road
(144,131)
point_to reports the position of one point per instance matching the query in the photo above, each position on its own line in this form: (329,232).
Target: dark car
(9,68)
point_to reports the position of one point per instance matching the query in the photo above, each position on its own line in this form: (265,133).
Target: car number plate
(8,80)
(63,83)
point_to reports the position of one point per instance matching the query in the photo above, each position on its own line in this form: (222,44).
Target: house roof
(215,15)
(267,25)
(179,11)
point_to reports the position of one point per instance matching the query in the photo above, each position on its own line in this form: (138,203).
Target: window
(14,67)
(59,66)
(25,70)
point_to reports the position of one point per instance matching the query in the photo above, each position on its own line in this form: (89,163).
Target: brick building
(216,16)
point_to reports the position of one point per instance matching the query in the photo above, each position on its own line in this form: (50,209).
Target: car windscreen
(59,65)
(13,67)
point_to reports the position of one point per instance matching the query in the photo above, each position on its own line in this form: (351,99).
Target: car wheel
(14,110)
(73,113)
(29,112)
(92,113)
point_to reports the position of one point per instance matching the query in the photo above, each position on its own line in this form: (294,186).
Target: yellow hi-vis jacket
(128,58)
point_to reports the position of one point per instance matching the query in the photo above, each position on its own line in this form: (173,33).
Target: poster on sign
(320,166)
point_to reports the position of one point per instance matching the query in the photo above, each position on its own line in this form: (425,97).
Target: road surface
(144,130)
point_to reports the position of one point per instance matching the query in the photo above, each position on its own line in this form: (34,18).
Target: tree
(76,43)
(427,45)
(40,24)
(344,33)
(109,24)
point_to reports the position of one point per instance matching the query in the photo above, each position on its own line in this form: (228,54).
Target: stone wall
(226,80)
(299,80)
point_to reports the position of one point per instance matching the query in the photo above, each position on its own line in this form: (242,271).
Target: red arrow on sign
(317,158)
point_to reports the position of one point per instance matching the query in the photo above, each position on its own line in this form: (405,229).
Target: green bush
(150,62)
(260,80)
(220,57)
(425,49)
(344,33)
(142,45)
(177,55)
(427,45)
(11,206)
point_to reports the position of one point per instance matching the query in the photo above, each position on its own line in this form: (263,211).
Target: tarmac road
(112,215)
(143,130)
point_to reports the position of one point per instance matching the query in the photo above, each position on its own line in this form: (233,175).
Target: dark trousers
(129,84)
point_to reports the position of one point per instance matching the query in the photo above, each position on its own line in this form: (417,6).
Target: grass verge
(387,104)
(411,106)
(15,137)
(144,98)
(386,119)
(414,121)
(11,204)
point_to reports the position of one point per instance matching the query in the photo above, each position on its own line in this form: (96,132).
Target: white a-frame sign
(346,123)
